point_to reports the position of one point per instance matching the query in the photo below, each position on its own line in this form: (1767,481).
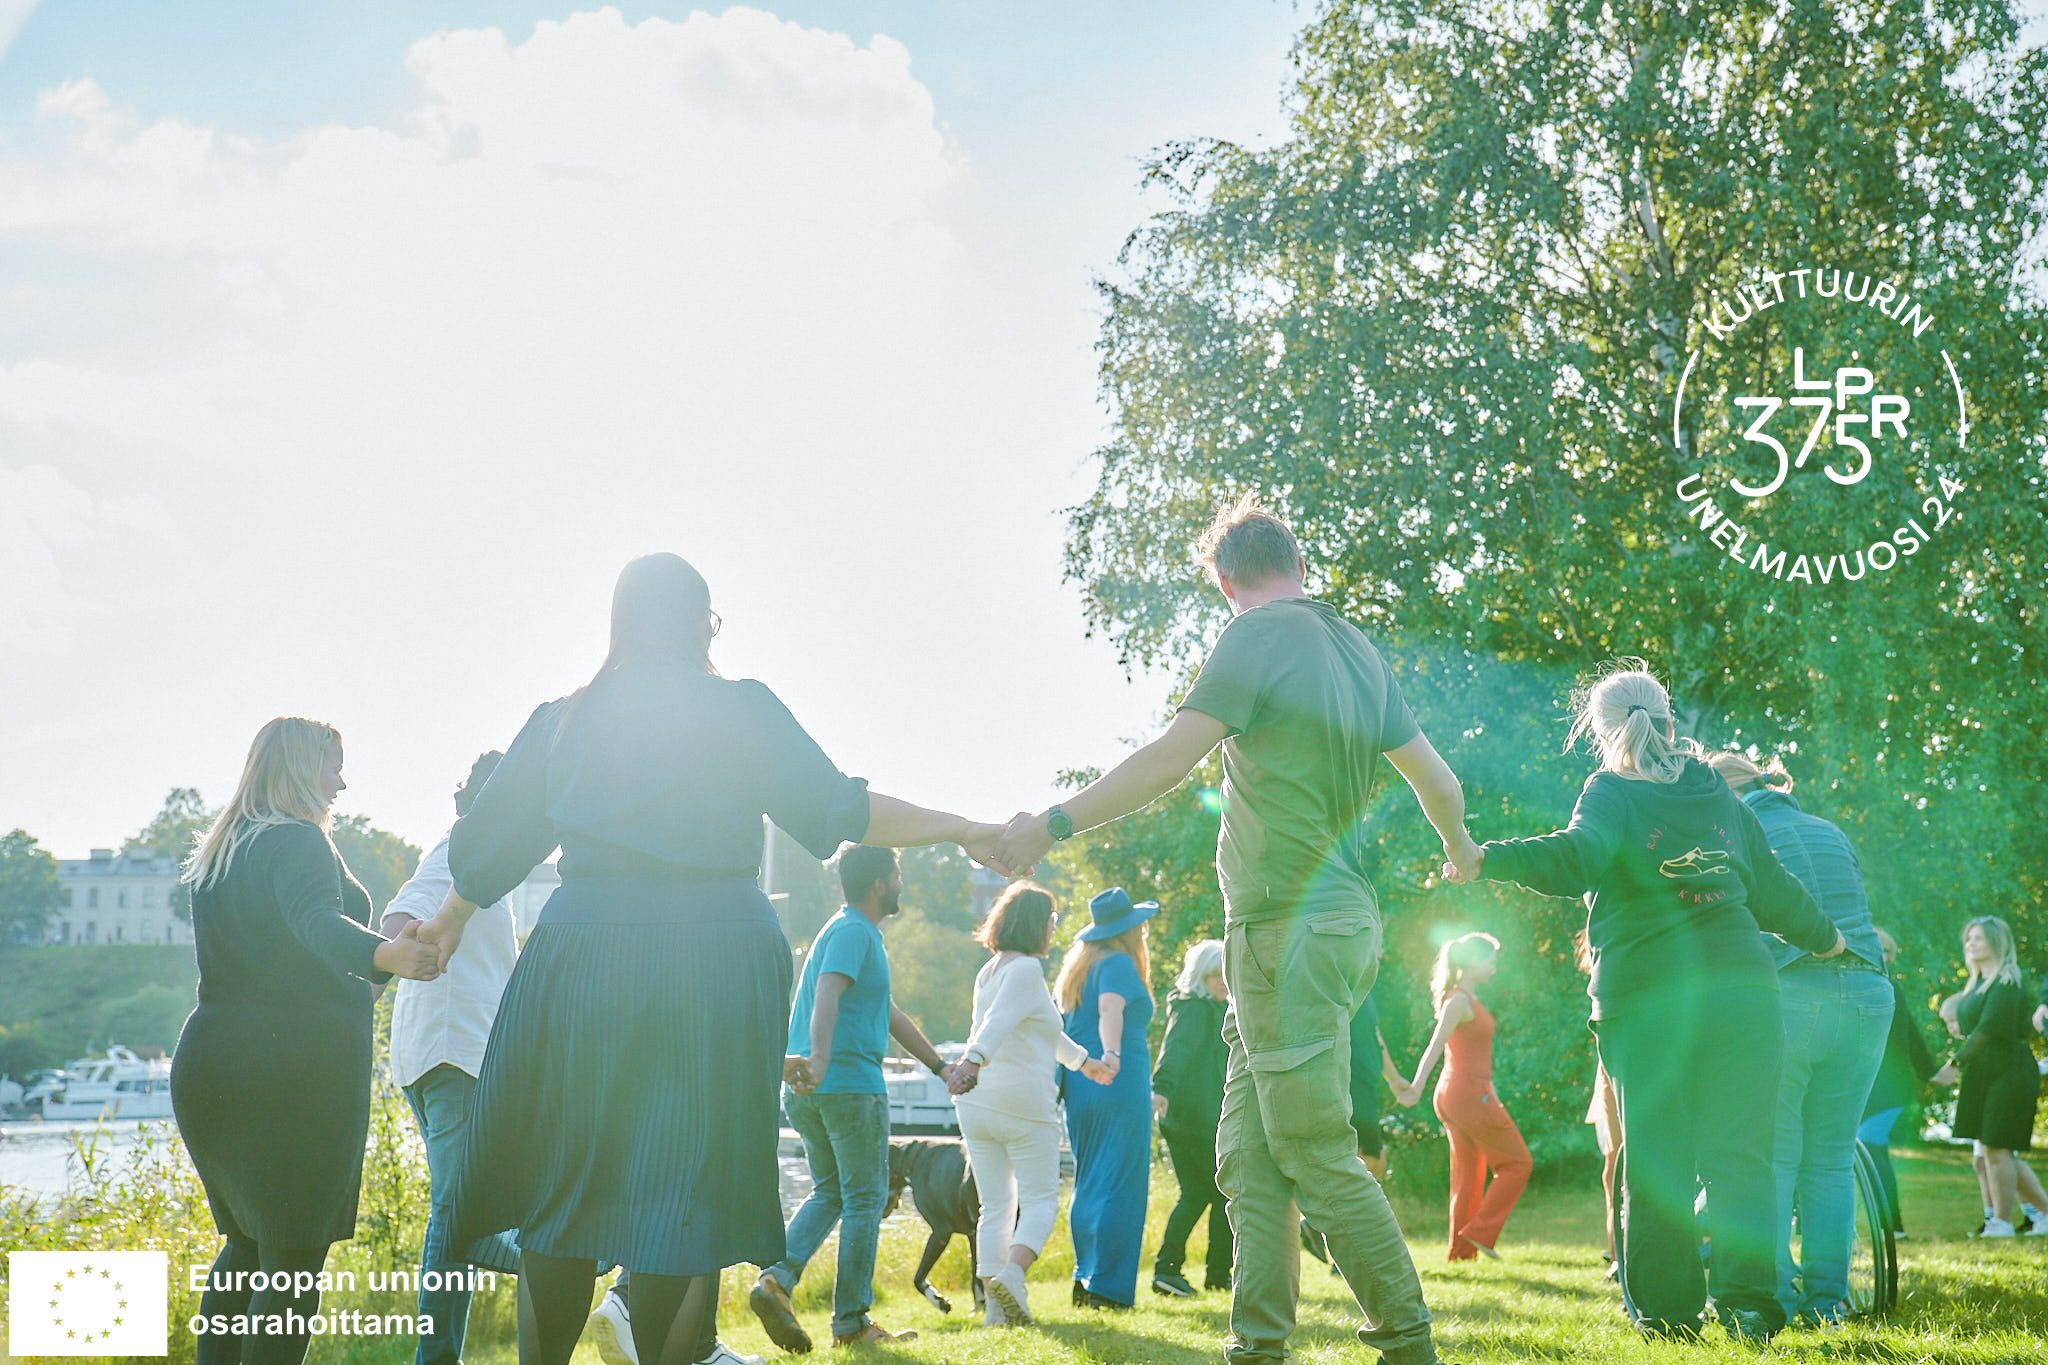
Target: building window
(92,932)
(121,897)
(92,898)
(149,898)
(64,932)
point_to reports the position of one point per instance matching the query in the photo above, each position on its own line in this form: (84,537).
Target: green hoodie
(1678,880)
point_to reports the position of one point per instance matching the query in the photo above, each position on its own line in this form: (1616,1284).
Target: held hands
(1158,1107)
(443,933)
(1462,860)
(1100,1072)
(408,955)
(796,1074)
(961,1077)
(1022,844)
(1407,1095)
(1945,1077)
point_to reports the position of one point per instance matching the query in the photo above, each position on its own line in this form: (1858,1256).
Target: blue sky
(347,350)
(272,448)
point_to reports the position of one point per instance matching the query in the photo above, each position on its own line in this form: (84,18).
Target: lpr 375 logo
(1812,422)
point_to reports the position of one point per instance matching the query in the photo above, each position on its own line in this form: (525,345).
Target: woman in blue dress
(1102,991)
(628,1104)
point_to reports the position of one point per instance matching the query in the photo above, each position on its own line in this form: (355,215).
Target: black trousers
(1696,1070)
(1194,1167)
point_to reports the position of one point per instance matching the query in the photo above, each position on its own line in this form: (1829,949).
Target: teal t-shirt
(851,945)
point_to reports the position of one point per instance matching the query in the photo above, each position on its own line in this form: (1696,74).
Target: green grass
(1962,1302)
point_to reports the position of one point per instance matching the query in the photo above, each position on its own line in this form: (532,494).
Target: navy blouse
(654,769)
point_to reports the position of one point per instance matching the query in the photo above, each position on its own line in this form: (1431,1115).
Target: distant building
(117,898)
(128,898)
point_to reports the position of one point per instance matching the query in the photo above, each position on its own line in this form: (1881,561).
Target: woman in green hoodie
(1187,1097)
(1678,879)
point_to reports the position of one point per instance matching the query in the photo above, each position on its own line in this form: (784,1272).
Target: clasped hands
(411,955)
(1011,849)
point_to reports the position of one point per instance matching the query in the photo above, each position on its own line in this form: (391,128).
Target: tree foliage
(1441,325)
(173,832)
(29,890)
(380,860)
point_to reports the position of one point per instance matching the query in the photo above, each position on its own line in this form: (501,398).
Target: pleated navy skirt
(629,1105)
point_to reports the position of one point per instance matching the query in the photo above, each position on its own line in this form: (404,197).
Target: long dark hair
(661,612)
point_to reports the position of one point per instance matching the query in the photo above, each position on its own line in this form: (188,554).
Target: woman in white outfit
(1006,1091)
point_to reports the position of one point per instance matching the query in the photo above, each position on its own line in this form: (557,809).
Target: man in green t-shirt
(1304,708)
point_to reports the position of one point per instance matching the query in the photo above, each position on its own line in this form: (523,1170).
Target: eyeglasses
(716,624)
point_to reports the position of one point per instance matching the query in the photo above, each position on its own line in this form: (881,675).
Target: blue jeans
(1836,1022)
(440,1101)
(846,1140)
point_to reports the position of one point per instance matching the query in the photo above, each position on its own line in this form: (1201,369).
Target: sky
(348,350)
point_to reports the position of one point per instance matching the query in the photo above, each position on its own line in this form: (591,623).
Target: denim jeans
(846,1140)
(1285,1145)
(440,1101)
(1836,1022)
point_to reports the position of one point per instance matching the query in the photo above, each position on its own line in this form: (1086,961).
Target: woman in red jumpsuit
(1481,1134)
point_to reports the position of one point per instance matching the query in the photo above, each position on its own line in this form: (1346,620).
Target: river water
(42,1157)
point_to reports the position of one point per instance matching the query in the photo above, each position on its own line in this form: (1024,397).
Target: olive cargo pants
(1285,1145)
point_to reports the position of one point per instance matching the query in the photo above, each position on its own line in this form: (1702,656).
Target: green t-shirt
(1311,707)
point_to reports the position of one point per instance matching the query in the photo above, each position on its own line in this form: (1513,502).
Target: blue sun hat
(1112,913)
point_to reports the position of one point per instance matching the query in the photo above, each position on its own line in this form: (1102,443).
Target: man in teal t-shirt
(839,1029)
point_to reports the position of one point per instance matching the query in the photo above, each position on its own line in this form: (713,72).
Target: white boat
(918,1103)
(119,1085)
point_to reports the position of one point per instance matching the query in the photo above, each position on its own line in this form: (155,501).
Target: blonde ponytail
(1626,714)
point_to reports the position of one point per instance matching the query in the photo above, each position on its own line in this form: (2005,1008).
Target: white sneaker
(612,1328)
(992,1312)
(1996,1227)
(1006,1288)
(2038,1227)
(726,1355)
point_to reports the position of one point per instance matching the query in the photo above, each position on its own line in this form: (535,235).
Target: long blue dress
(1110,1129)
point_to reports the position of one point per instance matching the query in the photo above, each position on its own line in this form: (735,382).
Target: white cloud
(410,394)
(49,529)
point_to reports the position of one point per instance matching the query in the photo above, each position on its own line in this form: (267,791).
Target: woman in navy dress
(628,1105)
(271,1079)
(1102,991)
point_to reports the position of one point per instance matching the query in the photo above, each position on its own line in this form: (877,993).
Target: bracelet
(1107,1055)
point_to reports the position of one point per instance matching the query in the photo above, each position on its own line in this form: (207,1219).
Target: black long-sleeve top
(1678,880)
(1192,1059)
(1994,1018)
(1907,1061)
(655,769)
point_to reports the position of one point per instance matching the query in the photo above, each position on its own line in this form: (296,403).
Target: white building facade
(118,898)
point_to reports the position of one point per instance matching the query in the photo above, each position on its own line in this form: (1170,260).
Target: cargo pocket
(1304,1103)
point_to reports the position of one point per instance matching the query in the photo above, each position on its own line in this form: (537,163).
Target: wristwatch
(974,1057)
(1059,824)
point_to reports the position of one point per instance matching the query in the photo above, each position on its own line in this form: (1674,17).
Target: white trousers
(1016,1164)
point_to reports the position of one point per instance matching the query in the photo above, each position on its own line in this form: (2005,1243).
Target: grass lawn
(1961,1302)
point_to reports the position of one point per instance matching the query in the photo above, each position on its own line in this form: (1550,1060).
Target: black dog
(942,1188)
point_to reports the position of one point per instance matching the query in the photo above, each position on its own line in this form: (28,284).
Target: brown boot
(873,1334)
(770,1302)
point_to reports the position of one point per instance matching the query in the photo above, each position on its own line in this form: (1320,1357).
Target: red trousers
(1482,1137)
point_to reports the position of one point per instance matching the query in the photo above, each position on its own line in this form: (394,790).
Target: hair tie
(1638,706)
